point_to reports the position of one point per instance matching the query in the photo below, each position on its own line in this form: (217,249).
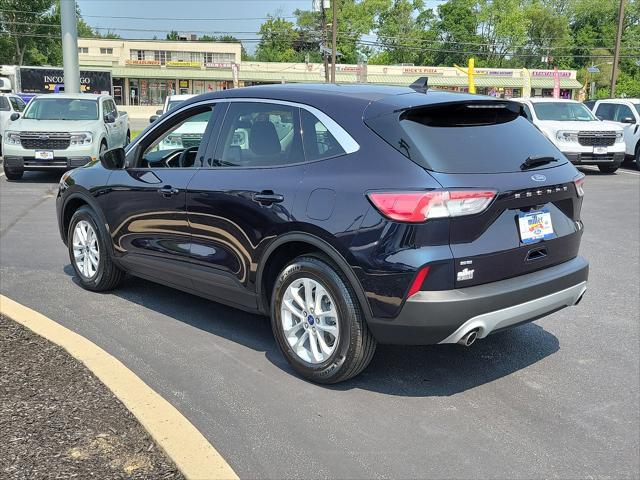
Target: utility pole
(323,46)
(69,46)
(334,27)
(616,53)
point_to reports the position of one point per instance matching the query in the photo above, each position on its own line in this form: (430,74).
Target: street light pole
(616,53)
(69,46)
(334,47)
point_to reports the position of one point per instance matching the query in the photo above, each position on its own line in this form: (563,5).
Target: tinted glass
(18,104)
(623,112)
(561,111)
(527,112)
(259,135)
(606,111)
(180,145)
(463,138)
(62,109)
(4,103)
(318,141)
(637,107)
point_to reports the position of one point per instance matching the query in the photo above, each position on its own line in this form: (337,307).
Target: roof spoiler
(420,85)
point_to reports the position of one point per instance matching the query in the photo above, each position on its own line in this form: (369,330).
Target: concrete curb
(192,453)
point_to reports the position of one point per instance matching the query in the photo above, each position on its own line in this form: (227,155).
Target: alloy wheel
(309,320)
(86,251)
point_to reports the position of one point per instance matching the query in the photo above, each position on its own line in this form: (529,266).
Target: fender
(89,200)
(325,248)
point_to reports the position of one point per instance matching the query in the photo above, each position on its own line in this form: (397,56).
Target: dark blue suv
(351,215)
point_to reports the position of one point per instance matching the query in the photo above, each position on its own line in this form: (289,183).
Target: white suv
(624,112)
(577,133)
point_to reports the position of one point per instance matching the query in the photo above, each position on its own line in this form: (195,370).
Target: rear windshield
(464,137)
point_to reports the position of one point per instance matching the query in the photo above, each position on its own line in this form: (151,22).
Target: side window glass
(623,112)
(18,104)
(4,104)
(527,112)
(259,135)
(319,143)
(605,111)
(178,142)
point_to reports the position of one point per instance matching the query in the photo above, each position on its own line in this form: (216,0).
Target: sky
(149,18)
(246,15)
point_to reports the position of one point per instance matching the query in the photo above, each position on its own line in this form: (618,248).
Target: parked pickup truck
(624,112)
(9,104)
(576,132)
(62,131)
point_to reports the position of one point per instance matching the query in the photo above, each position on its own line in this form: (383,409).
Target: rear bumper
(591,159)
(431,317)
(58,163)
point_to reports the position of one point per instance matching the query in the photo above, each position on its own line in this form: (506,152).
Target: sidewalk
(59,421)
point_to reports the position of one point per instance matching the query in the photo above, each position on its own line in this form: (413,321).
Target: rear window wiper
(534,161)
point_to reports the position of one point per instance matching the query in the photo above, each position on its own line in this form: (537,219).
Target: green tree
(277,39)
(25,33)
(405,34)
(457,27)
(173,35)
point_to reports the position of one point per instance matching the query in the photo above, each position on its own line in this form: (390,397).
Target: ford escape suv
(351,215)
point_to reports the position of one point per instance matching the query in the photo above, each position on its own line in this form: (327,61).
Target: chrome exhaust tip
(469,338)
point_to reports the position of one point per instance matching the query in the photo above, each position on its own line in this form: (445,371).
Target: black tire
(108,275)
(103,147)
(356,345)
(637,156)
(608,168)
(12,174)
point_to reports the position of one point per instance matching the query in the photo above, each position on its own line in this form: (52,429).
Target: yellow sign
(130,61)
(180,63)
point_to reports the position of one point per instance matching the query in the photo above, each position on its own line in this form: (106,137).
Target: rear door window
(465,137)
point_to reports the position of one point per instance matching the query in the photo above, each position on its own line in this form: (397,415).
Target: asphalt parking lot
(558,398)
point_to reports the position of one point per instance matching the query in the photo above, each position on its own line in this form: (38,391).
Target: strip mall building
(144,72)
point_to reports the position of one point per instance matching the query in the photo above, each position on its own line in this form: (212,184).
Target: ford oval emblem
(538,177)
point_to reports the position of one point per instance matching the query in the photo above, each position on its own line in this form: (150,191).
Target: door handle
(168,191)
(267,197)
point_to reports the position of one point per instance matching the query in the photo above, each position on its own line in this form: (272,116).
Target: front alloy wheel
(86,251)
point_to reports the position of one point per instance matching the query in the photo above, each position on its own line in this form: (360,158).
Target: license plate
(600,150)
(44,155)
(535,226)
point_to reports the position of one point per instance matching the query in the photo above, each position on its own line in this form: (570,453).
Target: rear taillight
(579,183)
(421,206)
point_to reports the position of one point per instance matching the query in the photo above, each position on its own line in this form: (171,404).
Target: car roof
(339,98)
(83,96)
(620,100)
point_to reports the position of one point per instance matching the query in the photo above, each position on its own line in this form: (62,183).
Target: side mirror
(629,120)
(113,159)
(14,116)
(109,118)
(153,118)
(159,112)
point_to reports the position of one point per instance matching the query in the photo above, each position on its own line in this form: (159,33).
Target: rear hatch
(533,221)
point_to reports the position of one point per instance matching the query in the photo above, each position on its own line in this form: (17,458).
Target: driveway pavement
(556,398)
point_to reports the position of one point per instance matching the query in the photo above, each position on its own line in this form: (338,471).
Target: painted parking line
(192,453)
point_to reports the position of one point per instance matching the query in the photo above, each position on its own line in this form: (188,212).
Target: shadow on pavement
(38,177)
(416,371)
